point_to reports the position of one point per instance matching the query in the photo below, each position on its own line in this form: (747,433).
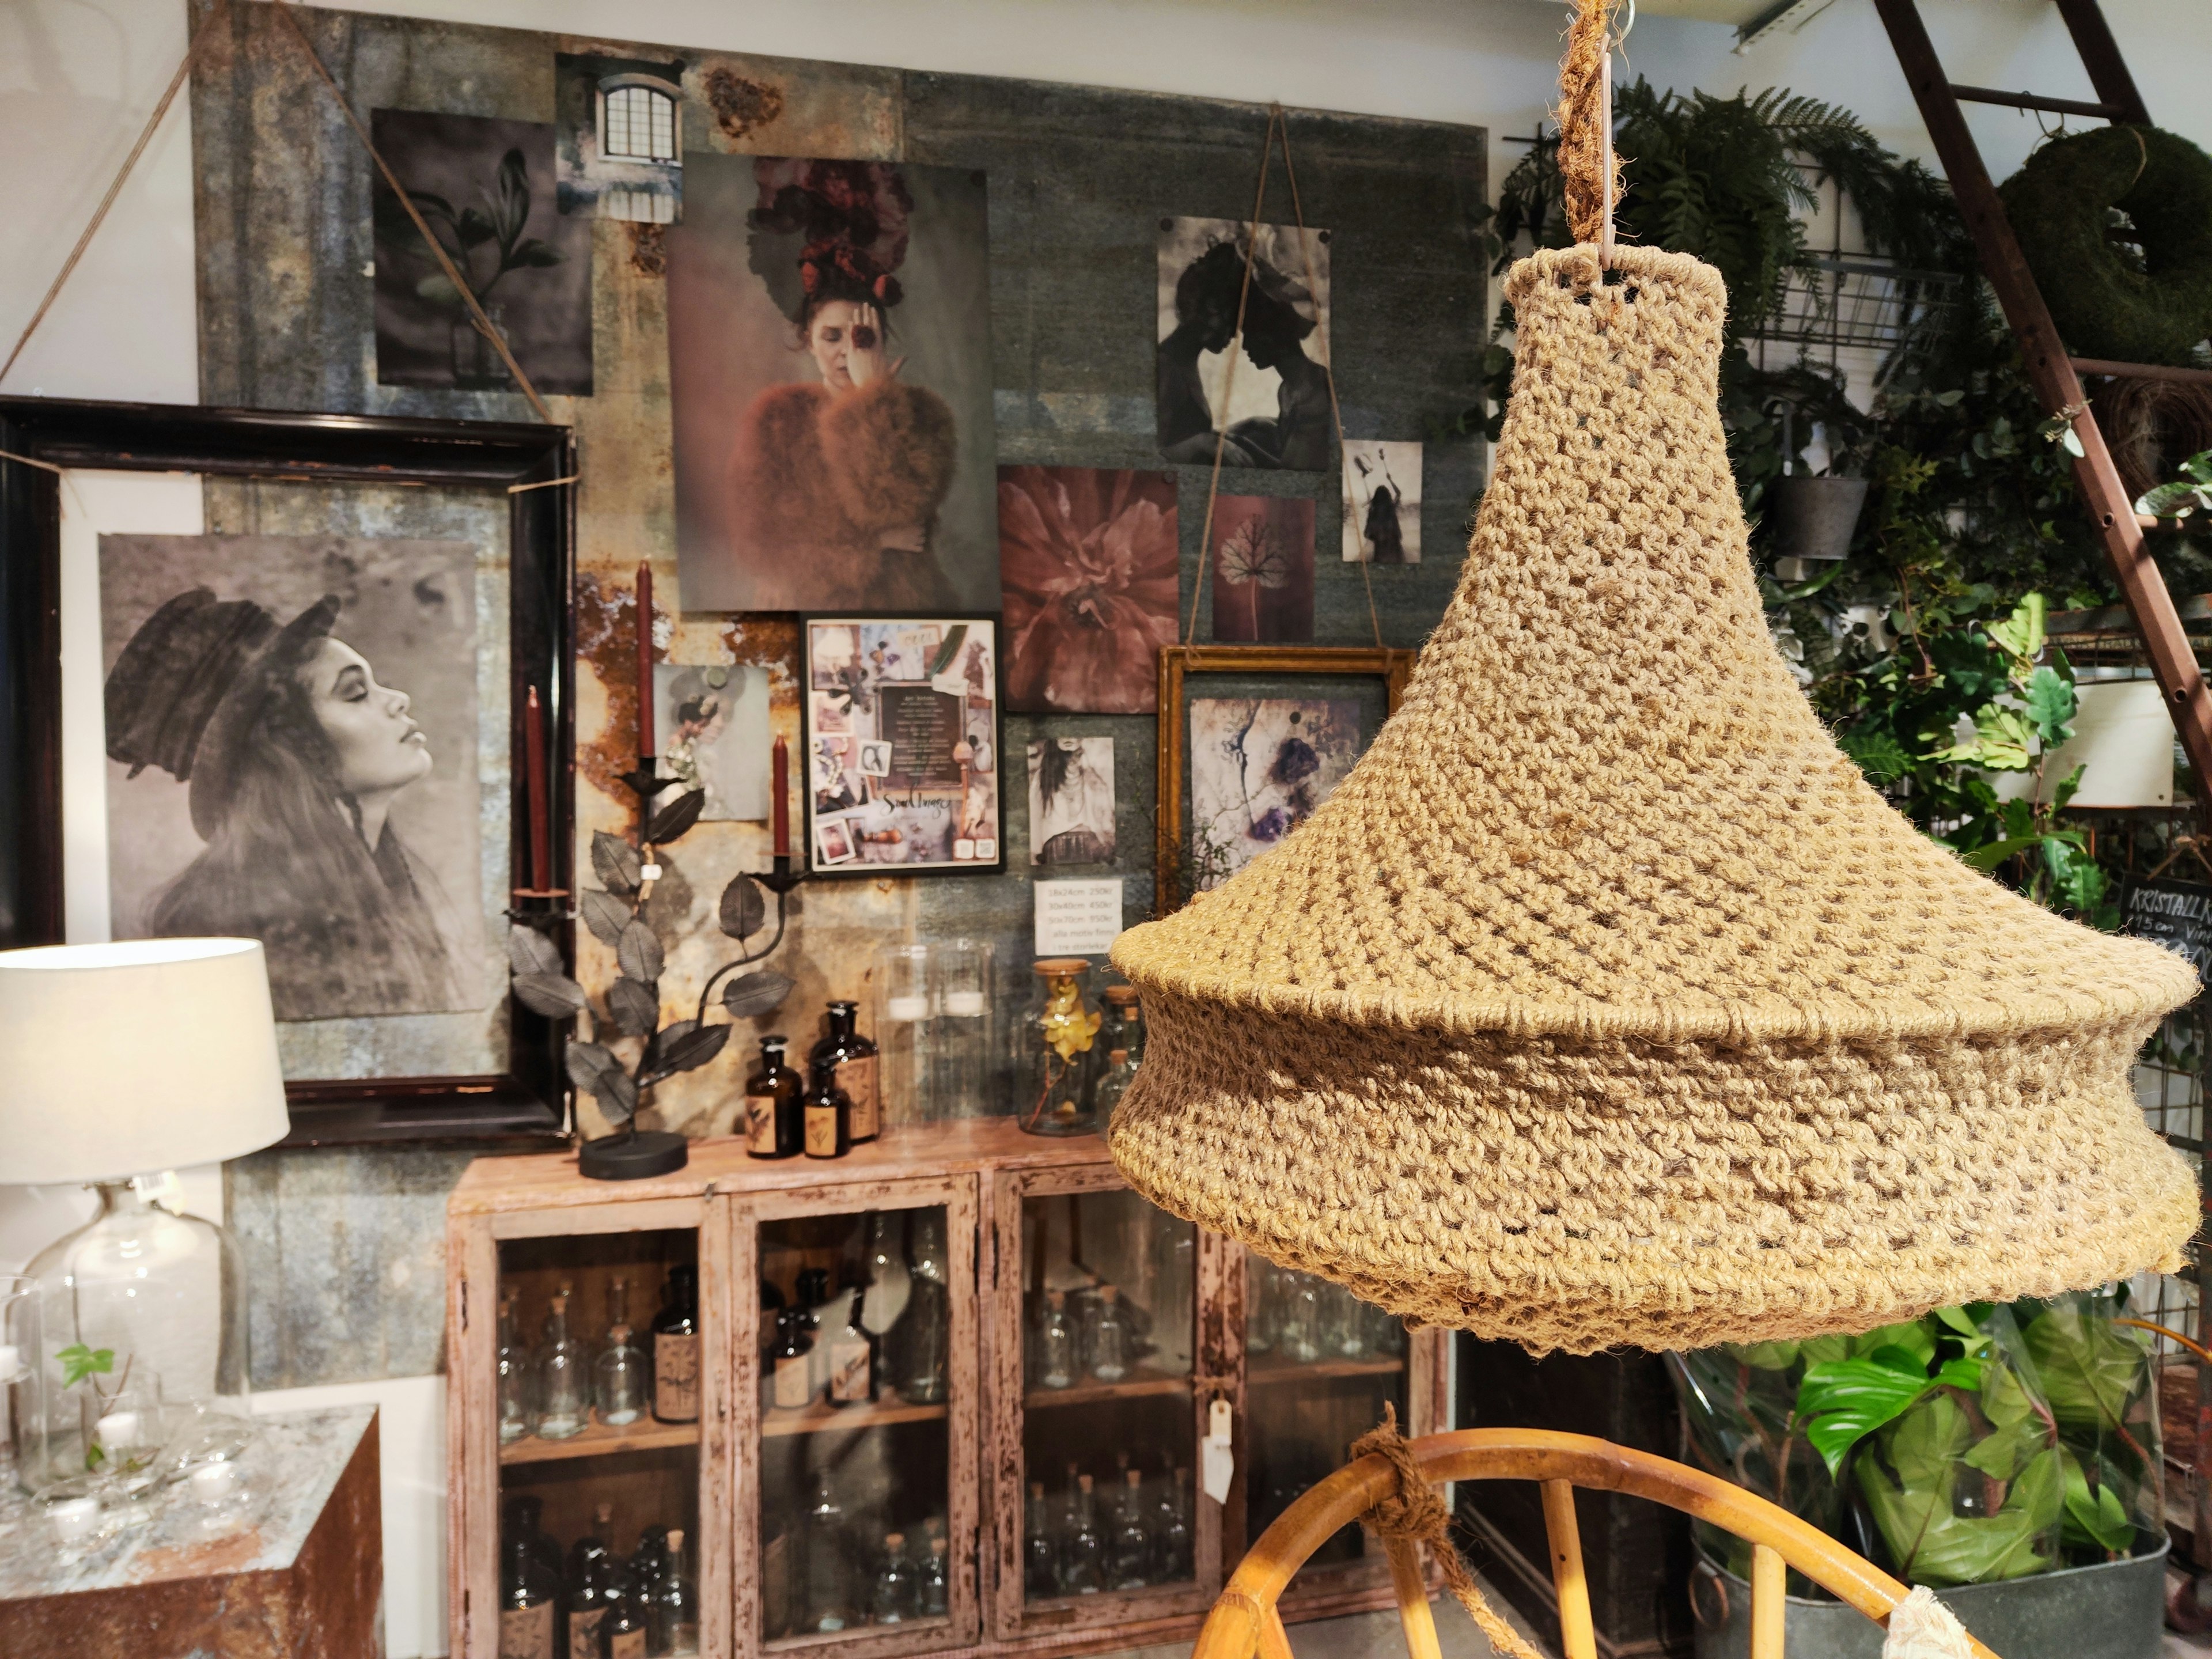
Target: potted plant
(2008,1457)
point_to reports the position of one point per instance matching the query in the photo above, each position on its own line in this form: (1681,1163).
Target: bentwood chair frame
(1245,1620)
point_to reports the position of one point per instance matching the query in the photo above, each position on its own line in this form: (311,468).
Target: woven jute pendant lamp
(1604,1002)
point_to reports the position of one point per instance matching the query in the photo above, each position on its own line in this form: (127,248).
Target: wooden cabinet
(1034,1323)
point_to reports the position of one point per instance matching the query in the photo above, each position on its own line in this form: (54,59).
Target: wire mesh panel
(1863,301)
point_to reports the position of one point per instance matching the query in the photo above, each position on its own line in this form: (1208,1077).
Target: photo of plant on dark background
(486,189)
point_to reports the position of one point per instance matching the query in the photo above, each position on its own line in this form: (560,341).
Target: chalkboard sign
(2175,913)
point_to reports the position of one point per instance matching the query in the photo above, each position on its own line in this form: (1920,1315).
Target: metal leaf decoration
(604,914)
(554,995)
(529,951)
(635,1009)
(684,1047)
(673,819)
(639,952)
(744,909)
(751,995)
(617,862)
(593,1067)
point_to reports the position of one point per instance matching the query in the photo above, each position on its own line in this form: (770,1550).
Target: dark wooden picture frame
(858,868)
(1394,668)
(529,1100)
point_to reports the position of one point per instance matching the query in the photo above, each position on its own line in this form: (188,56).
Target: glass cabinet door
(598,1390)
(856,1389)
(1320,1364)
(1100,1520)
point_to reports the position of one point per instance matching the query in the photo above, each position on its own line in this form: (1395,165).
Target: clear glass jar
(932,1022)
(1059,1056)
(143,1348)
(23,1405)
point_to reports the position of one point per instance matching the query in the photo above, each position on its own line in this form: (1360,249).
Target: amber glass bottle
(852,1058)
(776,1123)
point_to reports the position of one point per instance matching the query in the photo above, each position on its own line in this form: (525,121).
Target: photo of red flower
(1091,564)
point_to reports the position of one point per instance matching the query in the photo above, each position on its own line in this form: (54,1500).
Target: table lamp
(125,1061)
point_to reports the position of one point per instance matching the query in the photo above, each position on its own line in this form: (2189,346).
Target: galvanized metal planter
(2114,1610)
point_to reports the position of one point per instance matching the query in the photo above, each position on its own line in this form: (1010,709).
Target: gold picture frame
(1293,663)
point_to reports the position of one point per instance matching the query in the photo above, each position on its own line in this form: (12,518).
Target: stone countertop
(288,1470)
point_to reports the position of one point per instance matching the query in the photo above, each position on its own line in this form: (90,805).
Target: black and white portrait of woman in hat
(295,755)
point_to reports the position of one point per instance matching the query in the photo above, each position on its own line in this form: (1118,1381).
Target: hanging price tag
(1217,1462)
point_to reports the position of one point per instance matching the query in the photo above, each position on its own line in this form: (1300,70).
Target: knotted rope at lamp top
(1416,1512)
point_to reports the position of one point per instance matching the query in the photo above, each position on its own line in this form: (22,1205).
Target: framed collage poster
(903,743)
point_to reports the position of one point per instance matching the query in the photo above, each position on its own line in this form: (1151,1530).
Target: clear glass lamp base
(142,1373)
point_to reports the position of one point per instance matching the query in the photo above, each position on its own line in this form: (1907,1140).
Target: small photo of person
(1382,502)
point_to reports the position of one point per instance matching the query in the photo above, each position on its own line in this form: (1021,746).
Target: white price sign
(1078,918)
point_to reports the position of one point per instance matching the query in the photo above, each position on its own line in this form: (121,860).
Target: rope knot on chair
(1415,1511)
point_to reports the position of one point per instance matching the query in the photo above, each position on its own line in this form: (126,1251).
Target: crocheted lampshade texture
(1604,1002)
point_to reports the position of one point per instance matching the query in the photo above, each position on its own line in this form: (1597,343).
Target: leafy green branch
(495,229)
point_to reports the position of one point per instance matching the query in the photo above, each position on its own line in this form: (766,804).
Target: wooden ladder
(2055,376)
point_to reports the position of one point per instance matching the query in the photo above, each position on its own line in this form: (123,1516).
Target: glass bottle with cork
(564,1382)
(828,1116)
(852,1380)
(676,1348)
(852,1059)
(619,1374)
(775,1119)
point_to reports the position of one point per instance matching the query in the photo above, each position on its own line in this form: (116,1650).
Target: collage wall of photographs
(835,450)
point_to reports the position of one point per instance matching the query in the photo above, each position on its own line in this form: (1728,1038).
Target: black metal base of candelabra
(782,878)
(633,1155)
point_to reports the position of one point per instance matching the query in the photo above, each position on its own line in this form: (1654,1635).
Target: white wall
(78,77)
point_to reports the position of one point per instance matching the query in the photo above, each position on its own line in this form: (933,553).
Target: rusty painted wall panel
(1078,179)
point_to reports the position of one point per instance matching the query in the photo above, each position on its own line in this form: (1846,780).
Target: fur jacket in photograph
(845,486)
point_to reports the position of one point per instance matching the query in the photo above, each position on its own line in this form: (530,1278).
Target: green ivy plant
(1952,666)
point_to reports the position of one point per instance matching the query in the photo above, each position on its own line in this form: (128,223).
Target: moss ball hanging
(2106,301)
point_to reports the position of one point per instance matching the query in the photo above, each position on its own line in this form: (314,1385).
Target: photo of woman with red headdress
(829,366)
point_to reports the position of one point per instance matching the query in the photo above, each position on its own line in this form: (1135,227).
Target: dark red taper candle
(645,738)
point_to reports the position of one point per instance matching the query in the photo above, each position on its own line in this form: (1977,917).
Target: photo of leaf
(485,189)
(1263,568)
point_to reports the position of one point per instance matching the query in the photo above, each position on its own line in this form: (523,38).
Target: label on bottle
(625,1645)
(584,1632)
(527,1632)
(857,1077)
(794,1386)
(849,1371)
(759,1125)
(676,1378)
(822,1131)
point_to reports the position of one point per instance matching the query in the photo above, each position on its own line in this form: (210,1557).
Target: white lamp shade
(121,1060)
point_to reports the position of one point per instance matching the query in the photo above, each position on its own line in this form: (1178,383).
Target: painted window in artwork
(637,123)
